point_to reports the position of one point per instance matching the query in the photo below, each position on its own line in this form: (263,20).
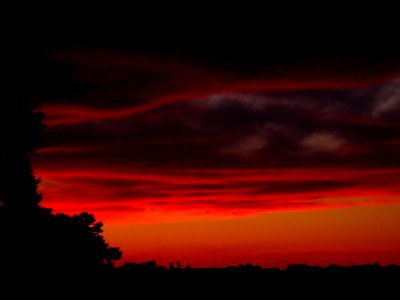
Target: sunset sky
(234,144)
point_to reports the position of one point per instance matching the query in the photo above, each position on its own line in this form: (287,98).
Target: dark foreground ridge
(150,280)
(150,270)
(254,282)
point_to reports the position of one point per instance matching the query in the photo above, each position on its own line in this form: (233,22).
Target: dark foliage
(33,240)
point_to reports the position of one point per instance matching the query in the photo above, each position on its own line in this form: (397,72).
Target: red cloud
(219,191)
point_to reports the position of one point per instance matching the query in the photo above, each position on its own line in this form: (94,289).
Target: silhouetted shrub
(33,240)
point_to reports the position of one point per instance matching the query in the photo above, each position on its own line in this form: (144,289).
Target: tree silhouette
(32,238)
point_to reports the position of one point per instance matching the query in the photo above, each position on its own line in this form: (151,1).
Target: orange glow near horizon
(346,236)
(347,225)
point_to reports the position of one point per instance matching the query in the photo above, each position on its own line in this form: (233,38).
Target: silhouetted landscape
(36,242)
(68,251)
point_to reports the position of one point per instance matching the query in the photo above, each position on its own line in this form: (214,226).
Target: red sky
(229,152)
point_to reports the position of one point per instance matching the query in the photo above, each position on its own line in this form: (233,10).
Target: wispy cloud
(250,191)
(136,131)
(322,142)
(387,99)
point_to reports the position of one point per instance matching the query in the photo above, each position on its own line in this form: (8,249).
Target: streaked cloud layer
(229,133)
(221,192)
(253,151)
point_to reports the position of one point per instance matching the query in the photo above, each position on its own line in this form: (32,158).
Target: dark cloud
(241,35)
(302,128)
(202,49)
(211,89)
(287,187)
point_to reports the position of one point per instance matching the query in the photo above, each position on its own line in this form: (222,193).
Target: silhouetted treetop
(33,239)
